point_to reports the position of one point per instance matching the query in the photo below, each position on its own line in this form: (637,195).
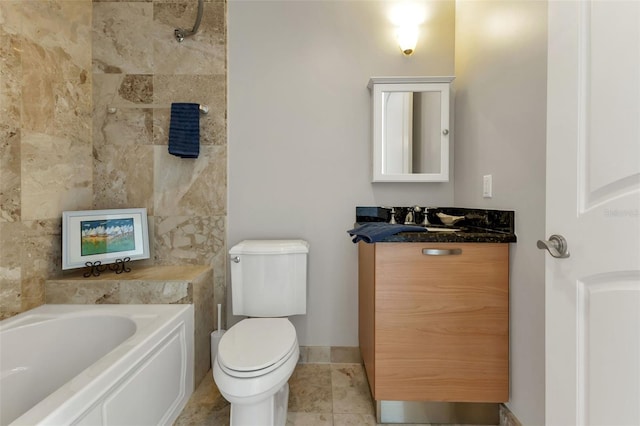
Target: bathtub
(96,365)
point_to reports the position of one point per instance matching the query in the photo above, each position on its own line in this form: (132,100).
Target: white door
(593,200)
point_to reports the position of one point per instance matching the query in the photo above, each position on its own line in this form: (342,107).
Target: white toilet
(257,356)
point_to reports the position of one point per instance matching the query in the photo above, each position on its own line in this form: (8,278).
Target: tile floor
(335,394)
(319,395)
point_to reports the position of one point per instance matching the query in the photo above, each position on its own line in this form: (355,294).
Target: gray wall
(299,135)
(501,58)
(299,144)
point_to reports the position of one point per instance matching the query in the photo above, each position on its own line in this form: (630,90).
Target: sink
(434,229)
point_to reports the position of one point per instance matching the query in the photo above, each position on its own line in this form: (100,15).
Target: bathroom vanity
(434,320)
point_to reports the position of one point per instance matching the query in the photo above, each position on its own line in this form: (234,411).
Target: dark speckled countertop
(479,226)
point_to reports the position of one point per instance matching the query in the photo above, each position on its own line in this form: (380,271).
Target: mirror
(411,132)
(411,129)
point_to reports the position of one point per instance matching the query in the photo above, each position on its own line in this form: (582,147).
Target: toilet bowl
(255,360)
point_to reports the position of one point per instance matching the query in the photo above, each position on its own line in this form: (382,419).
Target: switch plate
(487,186)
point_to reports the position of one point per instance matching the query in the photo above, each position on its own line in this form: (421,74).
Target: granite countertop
(480,226)
(465,235)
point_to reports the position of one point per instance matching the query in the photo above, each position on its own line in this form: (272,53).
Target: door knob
(556,245)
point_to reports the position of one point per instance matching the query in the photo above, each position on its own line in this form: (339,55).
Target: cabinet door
(411,125)
(442,322)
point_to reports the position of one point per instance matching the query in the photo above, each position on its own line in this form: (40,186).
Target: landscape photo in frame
(104,236)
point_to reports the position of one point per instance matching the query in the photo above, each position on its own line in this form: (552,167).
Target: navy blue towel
(376,231)
(184,130)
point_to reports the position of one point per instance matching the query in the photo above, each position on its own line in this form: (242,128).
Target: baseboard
(330,355)
(507,418)
(437,412)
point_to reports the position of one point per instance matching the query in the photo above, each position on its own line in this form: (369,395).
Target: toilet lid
(256,343)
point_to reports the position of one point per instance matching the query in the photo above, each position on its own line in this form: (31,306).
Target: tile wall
(45,139)
(65,65)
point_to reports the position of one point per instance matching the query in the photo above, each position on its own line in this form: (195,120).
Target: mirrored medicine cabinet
(411,128)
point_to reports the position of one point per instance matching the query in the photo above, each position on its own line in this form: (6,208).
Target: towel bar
(204,109)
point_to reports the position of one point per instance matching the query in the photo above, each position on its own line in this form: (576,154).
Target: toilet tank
(269,278)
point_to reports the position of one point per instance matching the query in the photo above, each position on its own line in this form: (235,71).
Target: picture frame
(104,236)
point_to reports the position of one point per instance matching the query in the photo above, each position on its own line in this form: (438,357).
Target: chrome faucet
(410,218)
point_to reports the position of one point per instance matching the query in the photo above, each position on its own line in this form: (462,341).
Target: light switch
(487,186)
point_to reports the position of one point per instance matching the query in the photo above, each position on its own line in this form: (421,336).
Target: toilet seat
(256,346)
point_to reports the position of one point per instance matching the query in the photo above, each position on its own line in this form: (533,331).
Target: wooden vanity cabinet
(435,327)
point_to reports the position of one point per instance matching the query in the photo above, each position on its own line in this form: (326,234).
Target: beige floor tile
(310,399)
(312,374)
(309,419)
(208,394)
(351,375)
(310,389)
(200,415)
(354,420)
(348,400)
(350,390)
(205,407)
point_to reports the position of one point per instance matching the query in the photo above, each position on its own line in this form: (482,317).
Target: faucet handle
(393,216)
(425,220)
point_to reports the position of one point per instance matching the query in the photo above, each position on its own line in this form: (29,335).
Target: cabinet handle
(441,252)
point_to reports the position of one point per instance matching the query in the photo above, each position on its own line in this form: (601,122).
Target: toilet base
(271,411)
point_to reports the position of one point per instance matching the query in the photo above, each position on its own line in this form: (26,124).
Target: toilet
(257,355)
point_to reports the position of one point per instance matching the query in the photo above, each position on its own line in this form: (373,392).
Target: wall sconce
(407,38)
(407,16)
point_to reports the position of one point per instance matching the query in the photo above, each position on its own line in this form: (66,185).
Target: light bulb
(407,38)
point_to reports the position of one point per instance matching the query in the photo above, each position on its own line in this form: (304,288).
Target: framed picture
(103,235)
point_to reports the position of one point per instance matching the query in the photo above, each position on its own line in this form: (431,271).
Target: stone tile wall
(64,64)
(45,139)
(139,69)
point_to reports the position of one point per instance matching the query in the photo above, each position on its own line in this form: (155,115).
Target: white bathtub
(96,365)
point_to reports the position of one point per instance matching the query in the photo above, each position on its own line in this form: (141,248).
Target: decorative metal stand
(97,267)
